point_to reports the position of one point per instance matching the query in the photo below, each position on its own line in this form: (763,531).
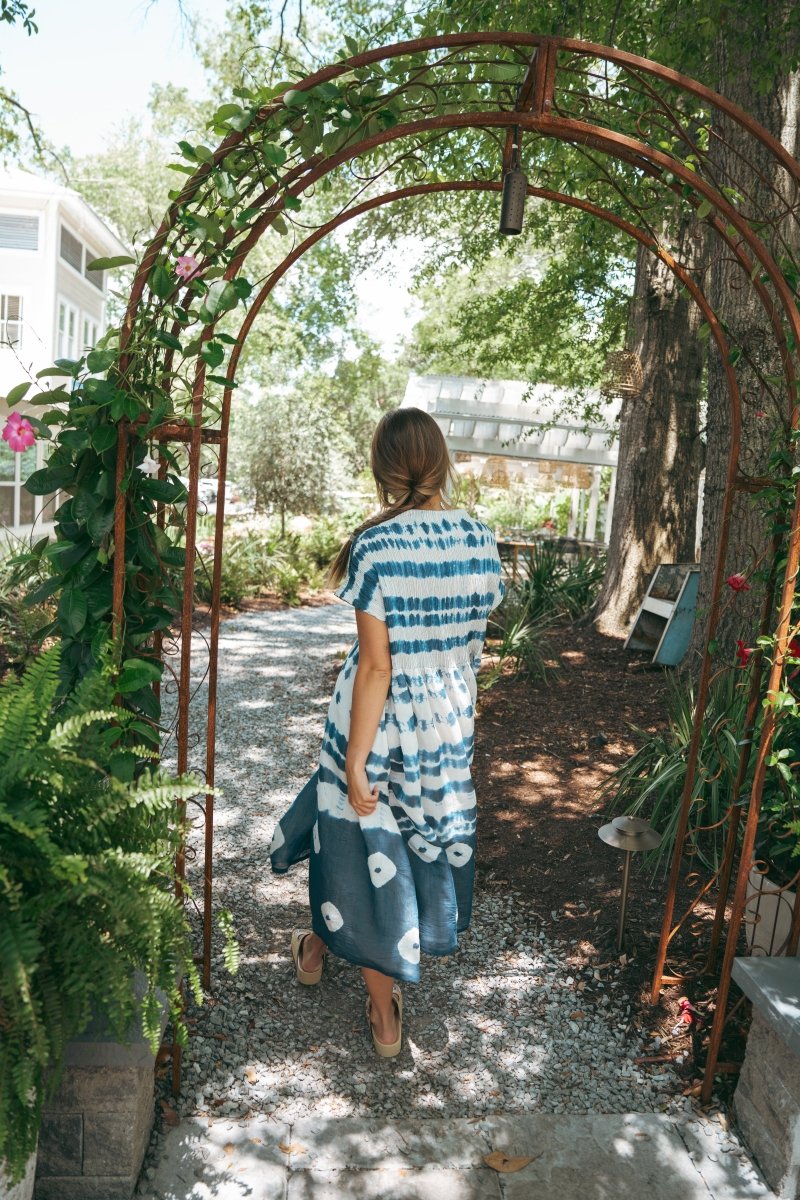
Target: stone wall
(96,1127)
(767,1099)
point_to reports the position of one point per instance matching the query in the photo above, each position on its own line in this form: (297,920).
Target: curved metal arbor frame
(642,141)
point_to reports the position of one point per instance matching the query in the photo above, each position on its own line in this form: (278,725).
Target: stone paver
(603,1157)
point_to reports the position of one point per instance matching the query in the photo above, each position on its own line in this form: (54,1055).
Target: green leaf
(48,479)
(167,339)
(42,592)
(100,523)
(225,111)
(220,379)
(83,505)
(161,281)
(704,209)
(75,439)
(203,153)
(212,354)
(104,437)
(100,360)
(274,154)
(137,673)
(52,371)
(106,264)
(72,366)
(294,98)
(16,393)
(170,489)
(220,298)
(72,610)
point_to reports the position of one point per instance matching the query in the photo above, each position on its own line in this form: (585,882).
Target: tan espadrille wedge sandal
(388,1049)
(297,942)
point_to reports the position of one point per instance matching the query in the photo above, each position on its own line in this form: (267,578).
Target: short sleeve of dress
(498,591)
(362,587)
(494,582)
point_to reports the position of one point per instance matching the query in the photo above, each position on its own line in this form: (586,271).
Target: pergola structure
(509,419)
(392,124)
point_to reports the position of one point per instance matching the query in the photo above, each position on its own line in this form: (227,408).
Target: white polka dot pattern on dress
(331,916)
(381,868)
(315,836)
(277,839)
(458,854)
(408,945)
(423,848)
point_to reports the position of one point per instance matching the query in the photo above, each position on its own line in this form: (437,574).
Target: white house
(51,307)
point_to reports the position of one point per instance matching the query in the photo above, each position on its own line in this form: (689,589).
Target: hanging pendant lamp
(515,189)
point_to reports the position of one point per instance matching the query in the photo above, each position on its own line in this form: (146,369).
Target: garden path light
(629,834)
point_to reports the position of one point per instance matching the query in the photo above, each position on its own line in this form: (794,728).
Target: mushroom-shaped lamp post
(629,834)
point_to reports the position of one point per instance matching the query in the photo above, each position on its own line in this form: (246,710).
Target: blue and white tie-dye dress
(386,886)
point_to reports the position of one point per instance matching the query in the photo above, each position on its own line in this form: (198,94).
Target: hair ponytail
(410,461)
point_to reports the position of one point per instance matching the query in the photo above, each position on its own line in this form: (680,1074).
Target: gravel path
(501,1026)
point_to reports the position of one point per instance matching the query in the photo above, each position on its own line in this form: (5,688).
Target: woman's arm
(370,688)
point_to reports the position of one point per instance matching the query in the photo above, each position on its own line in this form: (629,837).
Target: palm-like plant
(88,833)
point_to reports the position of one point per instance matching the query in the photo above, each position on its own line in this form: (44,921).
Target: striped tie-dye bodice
(433,577)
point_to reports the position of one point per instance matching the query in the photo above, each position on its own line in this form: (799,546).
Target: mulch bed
(542,749)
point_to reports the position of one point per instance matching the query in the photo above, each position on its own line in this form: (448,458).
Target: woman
(388,818)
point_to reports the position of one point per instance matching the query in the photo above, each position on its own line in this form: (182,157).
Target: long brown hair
(410,461)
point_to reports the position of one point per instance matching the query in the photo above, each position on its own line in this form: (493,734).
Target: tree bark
(742,163)
(660,452)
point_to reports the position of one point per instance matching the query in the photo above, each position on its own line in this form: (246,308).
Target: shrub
(87,885)
(558,585)
(651,782)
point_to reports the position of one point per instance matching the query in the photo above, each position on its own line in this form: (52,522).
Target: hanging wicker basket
(622,375)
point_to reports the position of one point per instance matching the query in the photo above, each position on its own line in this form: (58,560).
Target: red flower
(738,583)
(760,412)
(742,653)
(794,647)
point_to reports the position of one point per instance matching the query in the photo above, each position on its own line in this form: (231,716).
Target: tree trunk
(741,162)
(660,453)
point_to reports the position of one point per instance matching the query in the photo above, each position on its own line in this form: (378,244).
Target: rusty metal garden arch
(545,88)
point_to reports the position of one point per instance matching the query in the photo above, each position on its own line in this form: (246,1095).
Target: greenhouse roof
(515,419)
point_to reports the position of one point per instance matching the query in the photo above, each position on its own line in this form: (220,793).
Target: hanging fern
(87,885)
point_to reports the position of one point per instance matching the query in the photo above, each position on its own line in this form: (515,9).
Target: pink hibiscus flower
(18,432)
(186,266)
(738,583)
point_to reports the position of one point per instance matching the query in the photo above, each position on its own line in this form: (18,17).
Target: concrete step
(632,1156)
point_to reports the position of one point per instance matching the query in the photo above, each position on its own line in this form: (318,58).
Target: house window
(18,506)
(71,249)
(67,330)
(90,334)
(95,277)
(10,321)
(18,232)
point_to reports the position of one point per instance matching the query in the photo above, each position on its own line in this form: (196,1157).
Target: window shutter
(18,233)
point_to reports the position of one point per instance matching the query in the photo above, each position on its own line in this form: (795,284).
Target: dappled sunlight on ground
(503,1025)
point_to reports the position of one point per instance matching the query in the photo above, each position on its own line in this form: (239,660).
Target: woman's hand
(362,799)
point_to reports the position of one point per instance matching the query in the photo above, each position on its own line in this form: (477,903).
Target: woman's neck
(432,502)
